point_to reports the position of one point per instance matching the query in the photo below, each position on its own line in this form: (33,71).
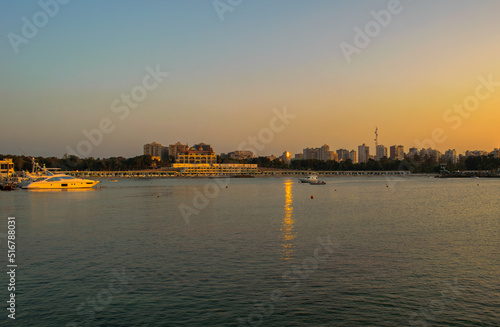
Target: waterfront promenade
(267,173)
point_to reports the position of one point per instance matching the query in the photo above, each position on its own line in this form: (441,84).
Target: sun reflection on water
(287,230)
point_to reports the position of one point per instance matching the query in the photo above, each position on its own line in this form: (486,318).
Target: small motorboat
(312,179)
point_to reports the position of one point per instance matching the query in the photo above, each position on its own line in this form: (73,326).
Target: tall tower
(376,137)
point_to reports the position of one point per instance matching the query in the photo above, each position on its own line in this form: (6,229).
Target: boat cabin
(6,168)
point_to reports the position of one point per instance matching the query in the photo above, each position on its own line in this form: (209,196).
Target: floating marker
(312,196)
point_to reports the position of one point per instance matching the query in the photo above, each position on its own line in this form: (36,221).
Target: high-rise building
(286,157)
(352,156)
(432,153)
(173,149)
(310,153)
(381,152)
(412,151)
(397,152)
(451,155)
(323,153)
(363,153)
(155,150)
(342,154)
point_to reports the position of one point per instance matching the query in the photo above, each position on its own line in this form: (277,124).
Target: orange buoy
(312,196)
(101,186)
(227,186)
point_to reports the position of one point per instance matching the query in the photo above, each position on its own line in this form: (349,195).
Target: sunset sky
(230,66)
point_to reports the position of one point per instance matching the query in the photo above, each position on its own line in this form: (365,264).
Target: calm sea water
(412,251)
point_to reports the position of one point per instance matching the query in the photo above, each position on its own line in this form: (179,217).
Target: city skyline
(191,71)
(396,152)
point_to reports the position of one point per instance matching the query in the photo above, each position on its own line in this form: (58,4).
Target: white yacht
(60,181)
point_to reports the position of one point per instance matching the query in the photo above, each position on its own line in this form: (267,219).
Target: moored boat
(60,181)
(312,179)
(7,186)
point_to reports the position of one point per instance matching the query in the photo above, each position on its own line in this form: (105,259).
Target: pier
(124,174)
(276,173)
(333,173)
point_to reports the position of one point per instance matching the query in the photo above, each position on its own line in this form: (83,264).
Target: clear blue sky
(225,77)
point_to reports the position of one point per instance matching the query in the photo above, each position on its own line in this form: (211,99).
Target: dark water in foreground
(421,252)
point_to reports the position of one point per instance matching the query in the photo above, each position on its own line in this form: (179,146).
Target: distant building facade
(239,154)
(286,157)
(363,153)
(310,153)
(451,155)
(342,154)
(397,152)
(178,147)
(156,151)
(197,154)
(353,157)
(323,153)
(381,152)
(412,151)
(6,168)
(431,153)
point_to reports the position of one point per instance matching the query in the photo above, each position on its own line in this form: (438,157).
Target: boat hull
(317,183)
(78,184)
